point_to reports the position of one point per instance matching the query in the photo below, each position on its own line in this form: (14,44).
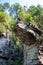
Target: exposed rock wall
(10,54)
(29,39)
(25,36)
(30,49)
(30,55)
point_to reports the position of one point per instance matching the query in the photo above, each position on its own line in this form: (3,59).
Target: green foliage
(12,24)
(21,14)
(2,17)
(2,9)
(32,10)
(6,5)
(2,21)
(33,14)
(26,16)
(8,20)
(17,6)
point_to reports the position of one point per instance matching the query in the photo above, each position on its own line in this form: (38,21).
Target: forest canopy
(9,15)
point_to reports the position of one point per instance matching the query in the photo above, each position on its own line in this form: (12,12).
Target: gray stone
(9,53)
(2,62)
(30,55)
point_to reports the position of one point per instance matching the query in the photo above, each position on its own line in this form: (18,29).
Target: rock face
(5,52)
(9,53)
(30,55)
(29,39)
(41,54)
(25,36)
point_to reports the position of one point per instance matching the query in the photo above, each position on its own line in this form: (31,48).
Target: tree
(35,11)
(41,18)
(32,10)
(15,9)
(6,5)
(2,9)
(2,21)
(12,24)
(37,14)
(26,16)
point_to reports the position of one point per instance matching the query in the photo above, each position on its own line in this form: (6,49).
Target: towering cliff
(30,40)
